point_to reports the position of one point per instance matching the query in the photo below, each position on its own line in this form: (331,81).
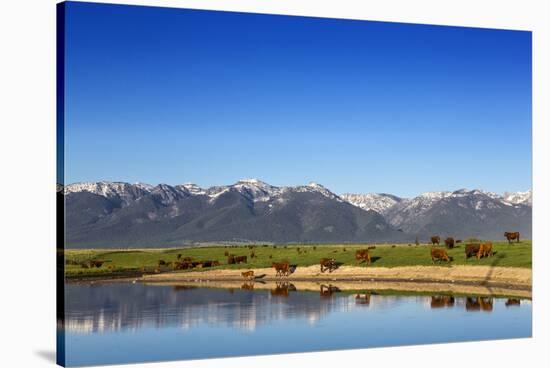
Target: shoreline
(481,280)
(513,277)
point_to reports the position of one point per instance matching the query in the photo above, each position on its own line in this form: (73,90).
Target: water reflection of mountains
(114,307)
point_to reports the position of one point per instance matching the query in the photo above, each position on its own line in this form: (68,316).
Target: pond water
(115,323)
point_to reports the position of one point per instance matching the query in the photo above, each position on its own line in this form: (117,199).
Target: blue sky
(162,95)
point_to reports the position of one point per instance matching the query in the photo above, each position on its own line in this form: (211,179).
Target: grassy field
(125,262)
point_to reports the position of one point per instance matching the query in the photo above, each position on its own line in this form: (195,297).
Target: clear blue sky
(162,95)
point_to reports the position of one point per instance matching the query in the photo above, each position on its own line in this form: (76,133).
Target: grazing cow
(458,241)
(241,259)
(439,254)
(442,301)
(327,264)
(512,236)
(450,242)
(362,255)
(471,249)
(281,268)
(96,264)
(161,262)
(485,250)
(231,259)
(248,274)
(435,240)
(208,263)
(512,302)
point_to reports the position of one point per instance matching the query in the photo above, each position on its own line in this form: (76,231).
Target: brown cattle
(248,274)
(362,255)
(439,254)
(471,249)
(281,268)
(327,264)
(182,265)
(231,259)
(512,236)
(450,242)
(96,264)
(485,250)
(209,263)
(241,259)
(435,240)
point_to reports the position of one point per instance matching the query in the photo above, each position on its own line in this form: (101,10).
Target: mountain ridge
(124,214)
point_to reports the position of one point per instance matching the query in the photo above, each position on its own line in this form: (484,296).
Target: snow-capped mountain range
(251,209)
(254,189)
(382,202)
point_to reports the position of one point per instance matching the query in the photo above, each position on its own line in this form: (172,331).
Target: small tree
(416,241)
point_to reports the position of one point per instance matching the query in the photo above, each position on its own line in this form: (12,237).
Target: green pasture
(119,262)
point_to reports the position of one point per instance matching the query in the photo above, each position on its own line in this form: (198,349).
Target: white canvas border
(27,148)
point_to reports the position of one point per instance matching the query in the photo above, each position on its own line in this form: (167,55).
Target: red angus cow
(512,236)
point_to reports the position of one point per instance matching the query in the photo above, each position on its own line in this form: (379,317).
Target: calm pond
(114,323)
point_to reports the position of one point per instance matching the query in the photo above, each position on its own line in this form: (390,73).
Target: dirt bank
(493,277)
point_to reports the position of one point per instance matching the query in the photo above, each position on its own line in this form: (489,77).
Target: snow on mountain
(525,198)
(379,202)
(259,191)
(315,187)
(124,192)
(192,188)
(256,190)
(253,189)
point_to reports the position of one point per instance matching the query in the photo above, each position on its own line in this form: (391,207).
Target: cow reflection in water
(513,303)
(282,289)
(480,303)
(248,285)
(439,301)
(362,299)
(326,291)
